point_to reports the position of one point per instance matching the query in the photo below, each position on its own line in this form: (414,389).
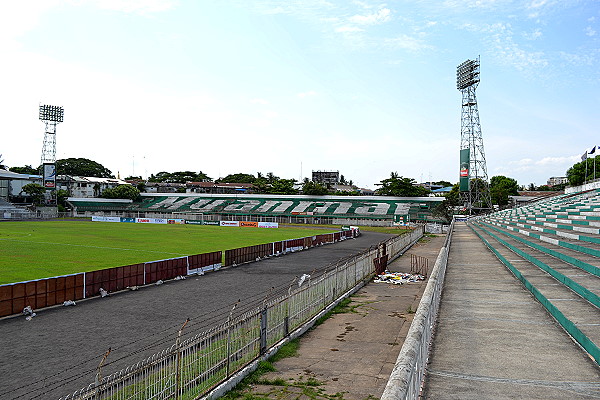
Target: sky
(365,88)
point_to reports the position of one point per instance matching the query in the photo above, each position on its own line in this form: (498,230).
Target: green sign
(465,160)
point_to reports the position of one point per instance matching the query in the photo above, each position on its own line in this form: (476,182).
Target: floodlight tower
(474,186)
(51,116)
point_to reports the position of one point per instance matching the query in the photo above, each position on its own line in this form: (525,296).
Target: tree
(397,185)
(446,208)
(501,187)
(238,178)
(314,188)
(283,186)
(82,167)
(61,199)
(442,183)
(179,177)
(121,192)
(578,173)
(27,170)
(35,191)
(2,166)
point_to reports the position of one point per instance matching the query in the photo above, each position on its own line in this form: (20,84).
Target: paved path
(57,352)
(352,354)
(495,341)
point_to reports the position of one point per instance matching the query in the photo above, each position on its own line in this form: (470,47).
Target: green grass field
(40,249)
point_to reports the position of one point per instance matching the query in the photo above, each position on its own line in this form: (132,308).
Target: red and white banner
(230,223)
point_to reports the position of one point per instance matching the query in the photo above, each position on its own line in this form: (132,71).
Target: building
(11,185)
(557,180)
(165,187)
(219,188)
(326,177)
(82,186)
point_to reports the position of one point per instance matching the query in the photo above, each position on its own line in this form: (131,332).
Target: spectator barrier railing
(194,367)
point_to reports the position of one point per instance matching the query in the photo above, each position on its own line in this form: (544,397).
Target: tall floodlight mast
(474,186)
(51,116)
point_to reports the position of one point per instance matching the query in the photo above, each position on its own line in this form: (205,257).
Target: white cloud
(407,43)
(542,165)
(509,52)
(379,17)
(579,59)
(348,29)
(259,101)
(307,94)
(535,34)
(131,6)
(589,31)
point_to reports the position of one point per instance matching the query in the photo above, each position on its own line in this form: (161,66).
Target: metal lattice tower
(477,198)
(51,116)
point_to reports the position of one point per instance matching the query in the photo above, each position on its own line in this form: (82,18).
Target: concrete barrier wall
(407,376)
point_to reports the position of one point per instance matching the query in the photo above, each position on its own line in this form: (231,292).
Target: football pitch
(40,249)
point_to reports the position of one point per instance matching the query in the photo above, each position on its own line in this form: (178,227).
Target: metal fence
(192,368)
(406,379)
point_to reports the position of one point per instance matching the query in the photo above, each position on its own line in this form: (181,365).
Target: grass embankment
(39,249)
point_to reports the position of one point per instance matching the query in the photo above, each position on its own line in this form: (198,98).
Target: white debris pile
(103,293)
(302,279)
(28,313)
(398,278)
(69,303)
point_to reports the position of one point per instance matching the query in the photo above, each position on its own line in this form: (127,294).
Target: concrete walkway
(351,355)
(495,341)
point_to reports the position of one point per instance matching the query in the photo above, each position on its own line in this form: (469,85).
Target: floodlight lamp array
(467,74)
(51,113)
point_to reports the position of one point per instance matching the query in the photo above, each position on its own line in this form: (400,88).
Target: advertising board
(49,175)
(249,224)
(268,225)
(150,221)
(96,218)
(175,221)
(229,223)
(465,160)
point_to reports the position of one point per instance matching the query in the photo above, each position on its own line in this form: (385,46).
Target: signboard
(249,224)
(175,221)
(230,223)
(150,221)
(96,218)
(465,160)
(49,176)
(268,225)
(192,222)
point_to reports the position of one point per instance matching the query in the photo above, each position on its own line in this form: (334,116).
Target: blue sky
(363,87)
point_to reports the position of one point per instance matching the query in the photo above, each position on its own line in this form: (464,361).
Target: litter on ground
(398,278)
(28,312)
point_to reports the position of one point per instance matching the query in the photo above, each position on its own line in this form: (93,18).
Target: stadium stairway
(553,248)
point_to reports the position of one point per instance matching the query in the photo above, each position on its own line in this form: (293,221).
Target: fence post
(178,362)
(289,300)
(263,323)
(229,337)
(98,379)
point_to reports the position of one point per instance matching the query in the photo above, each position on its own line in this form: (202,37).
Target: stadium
(201,290)
(252,273)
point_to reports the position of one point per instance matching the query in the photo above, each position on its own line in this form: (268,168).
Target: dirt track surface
(57,352)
